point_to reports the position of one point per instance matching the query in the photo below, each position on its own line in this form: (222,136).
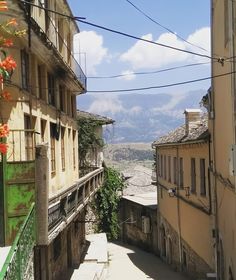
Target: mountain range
(140,117)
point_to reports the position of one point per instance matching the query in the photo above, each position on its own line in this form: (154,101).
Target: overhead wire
(147,72)
(162,86)
(166,28)
(80,19)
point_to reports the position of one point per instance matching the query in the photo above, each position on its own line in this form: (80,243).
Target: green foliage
(107,201)
(87,138)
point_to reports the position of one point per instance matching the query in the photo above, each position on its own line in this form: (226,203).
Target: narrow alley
(129,262)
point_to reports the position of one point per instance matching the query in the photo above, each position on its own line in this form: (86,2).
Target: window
(193,175)
(181,172)
(62,97)
(169,169)
(73,106)
(175,170)
(53,152)
(51,90)
(68,103)
(202,177)
(29,138)
(161,167)
(40,82)
(165,167)
(25,70)
(63,148)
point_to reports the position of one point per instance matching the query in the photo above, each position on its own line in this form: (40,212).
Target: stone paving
(128,262)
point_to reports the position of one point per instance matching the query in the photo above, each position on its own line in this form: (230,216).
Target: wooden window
(40,82)
(68,103)
(73,105)
(25,70)
(161,167)
(53,152)
(175,169)
(51,90)
(169,169)
(193,175)
(181,172)
(165,167)
(29,138)
(62,97)
(63,165)
(202,177)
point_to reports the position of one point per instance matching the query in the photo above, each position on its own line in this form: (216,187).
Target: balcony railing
(53,39)
(20,257)
(65,204)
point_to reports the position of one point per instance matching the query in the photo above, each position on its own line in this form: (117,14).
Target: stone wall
(130,218)
(170,247)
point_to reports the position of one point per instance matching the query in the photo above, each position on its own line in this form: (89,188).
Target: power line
(169,30)
(147,72)
(144,40)
(79,19)
(162,86)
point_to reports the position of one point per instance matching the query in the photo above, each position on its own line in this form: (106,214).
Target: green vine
(107,201)
(87,139)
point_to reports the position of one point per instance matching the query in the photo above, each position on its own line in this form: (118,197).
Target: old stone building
(41,166)
(184,196)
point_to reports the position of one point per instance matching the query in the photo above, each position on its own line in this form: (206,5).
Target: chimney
(192,119)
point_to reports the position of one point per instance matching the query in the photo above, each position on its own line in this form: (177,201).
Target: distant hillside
(140,117)
(126,155)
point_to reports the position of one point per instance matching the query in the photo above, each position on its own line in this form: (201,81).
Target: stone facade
(187,261)
(131,224)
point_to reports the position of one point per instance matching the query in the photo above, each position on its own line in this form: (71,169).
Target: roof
(179,136)
(146,199)
(93,117)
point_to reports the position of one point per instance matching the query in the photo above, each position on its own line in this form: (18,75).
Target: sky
(103,53)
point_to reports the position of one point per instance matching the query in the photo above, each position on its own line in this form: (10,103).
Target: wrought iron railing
(18,264)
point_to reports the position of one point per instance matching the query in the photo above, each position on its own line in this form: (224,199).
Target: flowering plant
(7,65)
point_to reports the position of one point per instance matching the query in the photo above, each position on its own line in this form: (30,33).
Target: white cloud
(135,110)
(145,55)
(91,43)
(128,75)
(106,104)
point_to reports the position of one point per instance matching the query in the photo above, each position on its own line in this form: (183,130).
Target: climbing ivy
(87,139)
(107,201)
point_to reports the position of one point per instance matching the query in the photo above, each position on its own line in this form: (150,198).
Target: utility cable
(162,86)
(144,40)
(166,28)
(79,19)
(147,72)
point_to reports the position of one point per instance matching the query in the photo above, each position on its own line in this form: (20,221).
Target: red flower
(6,95)
(7,42)
(8,63)
(4,130)
(11,22)
(3,5)
(3,148)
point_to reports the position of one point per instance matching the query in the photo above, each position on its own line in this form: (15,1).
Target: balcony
(50,34)
(65,205)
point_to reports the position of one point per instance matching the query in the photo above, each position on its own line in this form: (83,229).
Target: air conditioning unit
(146,224)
